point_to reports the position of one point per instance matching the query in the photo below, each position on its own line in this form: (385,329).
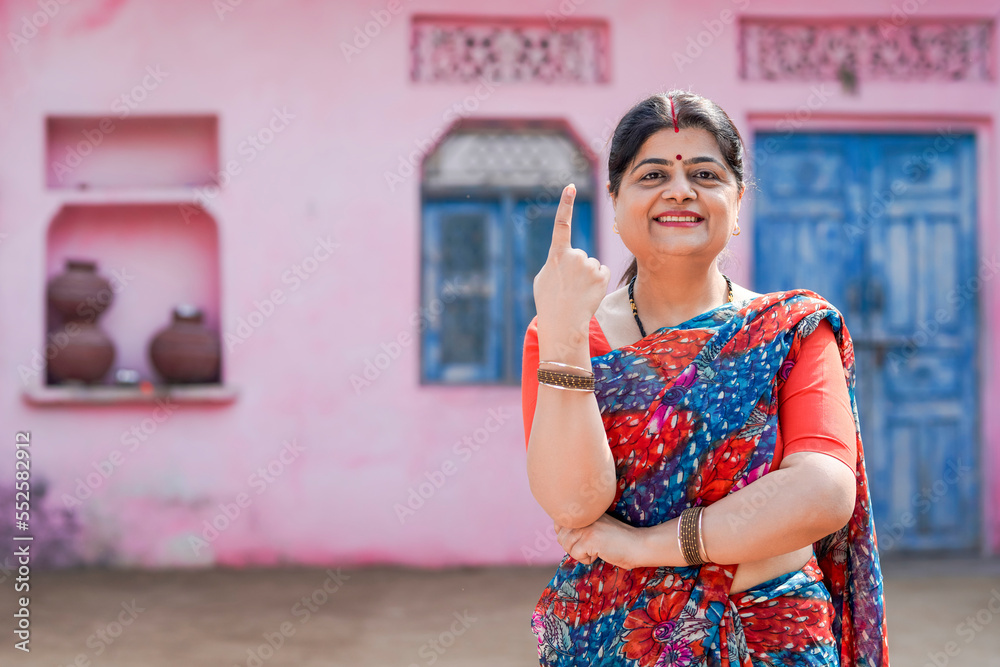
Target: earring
(615,227)
(738,230)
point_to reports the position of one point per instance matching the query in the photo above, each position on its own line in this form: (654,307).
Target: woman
(695,443)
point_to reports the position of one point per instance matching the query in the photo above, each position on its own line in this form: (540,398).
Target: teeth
(677,218)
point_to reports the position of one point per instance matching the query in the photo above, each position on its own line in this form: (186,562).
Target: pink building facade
(288,169)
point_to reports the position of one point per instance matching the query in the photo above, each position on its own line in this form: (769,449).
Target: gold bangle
(557,363)
(565,380)
(688,529)
(702,551)
(559,386)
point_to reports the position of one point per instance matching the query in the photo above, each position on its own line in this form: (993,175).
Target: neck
(671,294)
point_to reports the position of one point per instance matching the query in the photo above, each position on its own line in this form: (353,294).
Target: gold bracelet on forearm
(688,535)
(566,380)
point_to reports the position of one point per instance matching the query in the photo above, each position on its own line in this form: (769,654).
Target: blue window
(480,258)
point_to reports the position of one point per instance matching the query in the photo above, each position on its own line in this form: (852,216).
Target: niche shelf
(107,153)
(101,395)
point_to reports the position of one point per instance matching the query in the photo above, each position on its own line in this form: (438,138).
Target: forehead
(689,142)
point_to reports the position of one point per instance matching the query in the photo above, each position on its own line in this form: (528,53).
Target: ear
(614,200)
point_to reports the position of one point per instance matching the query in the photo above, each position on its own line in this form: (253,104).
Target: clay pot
(86,356)
(78,293)
(185,351)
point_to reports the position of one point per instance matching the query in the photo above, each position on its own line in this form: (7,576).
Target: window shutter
(462,304)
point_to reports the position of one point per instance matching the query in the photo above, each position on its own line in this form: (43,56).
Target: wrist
(565,348)
(658,546)
(573,330)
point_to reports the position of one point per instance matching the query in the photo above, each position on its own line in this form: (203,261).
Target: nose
(679,188)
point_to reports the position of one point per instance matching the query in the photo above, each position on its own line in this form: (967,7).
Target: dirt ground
(940,613)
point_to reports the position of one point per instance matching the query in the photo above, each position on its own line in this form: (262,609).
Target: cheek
(726,208)
(638,209)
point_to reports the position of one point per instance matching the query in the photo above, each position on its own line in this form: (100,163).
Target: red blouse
(814,406)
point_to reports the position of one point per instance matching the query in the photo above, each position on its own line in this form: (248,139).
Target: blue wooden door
(884,227)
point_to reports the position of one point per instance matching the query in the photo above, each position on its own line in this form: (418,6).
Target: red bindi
(678,156)
(673,115)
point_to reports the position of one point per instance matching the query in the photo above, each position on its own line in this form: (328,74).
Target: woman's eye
(654,174)
(705,174)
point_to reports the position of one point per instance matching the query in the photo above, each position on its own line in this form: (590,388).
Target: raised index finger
(562,229)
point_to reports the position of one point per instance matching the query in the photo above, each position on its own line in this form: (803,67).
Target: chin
(681,247)
(676,248)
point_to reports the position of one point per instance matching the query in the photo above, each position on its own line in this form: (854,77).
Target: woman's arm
(810,496)
(571,470)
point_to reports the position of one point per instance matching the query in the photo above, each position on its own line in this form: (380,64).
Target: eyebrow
(669,163)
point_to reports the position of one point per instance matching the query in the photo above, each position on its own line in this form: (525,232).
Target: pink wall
(310,236)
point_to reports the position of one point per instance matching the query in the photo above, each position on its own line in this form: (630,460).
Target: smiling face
(668,207)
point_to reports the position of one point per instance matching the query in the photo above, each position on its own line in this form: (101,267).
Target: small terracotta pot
(78,293)
(82,352)
(186,352)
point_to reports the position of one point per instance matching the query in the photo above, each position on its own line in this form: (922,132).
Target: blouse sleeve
(814,406)
(529,378)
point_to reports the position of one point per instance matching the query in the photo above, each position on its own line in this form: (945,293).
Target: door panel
(802,211)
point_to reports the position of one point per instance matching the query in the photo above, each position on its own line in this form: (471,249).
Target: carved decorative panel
(555,49)
(896,48)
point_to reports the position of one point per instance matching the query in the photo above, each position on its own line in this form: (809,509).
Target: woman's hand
(607,538)
(570,285)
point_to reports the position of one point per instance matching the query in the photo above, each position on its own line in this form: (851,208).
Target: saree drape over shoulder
(691,414)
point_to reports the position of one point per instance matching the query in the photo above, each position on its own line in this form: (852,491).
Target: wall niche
(128,204)
(88,152)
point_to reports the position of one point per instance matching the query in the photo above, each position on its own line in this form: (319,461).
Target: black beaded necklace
(635,312)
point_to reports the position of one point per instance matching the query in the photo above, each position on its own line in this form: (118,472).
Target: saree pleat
(691,415)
